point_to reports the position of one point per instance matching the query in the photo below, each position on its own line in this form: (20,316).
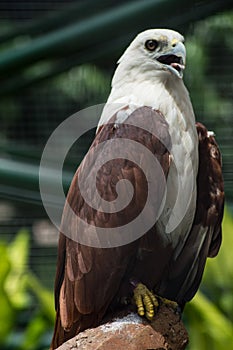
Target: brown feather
(185,272)
(92,281)
(89,279)
(211,194)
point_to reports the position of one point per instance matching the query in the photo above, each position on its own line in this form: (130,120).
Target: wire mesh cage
(58,58)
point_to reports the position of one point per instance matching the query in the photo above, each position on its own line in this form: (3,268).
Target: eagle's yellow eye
(151,45)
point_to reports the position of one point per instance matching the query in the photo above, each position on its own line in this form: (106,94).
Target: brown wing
(89,278)
(205,237)
(211,190)
(210,204)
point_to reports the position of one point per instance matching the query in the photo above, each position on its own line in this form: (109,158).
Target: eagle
(158,179)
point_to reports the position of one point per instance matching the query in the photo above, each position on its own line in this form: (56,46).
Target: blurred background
(57,57)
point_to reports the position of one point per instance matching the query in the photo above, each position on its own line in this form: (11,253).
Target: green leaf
(7,313)
(210,320)
(33,334)
(209,328)
(218,276)
(44,296)
(18,256)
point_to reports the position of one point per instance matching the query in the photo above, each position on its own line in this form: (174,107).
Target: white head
(154,52)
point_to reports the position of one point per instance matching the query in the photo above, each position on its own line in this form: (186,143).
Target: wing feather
(89,278)
(210,200)
(205,237)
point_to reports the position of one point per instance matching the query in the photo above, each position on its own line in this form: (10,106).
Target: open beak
(174,59)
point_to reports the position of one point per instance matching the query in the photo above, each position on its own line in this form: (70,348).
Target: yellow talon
(145,300)
(154,299)
(141,311)
(139,303)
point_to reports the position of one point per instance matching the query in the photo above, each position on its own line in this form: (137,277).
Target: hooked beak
(174,59)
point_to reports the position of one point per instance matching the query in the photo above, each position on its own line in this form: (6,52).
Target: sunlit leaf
(7,312)
(18,252)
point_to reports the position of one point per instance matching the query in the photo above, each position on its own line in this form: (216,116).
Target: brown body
(90,280)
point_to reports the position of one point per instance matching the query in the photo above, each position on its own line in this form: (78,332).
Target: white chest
(174,103)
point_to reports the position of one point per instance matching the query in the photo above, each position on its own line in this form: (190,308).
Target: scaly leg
(147,303)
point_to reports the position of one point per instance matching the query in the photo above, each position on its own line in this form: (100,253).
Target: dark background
(56,58)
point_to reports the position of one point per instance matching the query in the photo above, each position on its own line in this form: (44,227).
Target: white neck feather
(166,93)
(158,90)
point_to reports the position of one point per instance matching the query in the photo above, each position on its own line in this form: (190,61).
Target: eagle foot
(169,303)
(146,302)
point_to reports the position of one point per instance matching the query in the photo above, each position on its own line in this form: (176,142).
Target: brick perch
(128,331)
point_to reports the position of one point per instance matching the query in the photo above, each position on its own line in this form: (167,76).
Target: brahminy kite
(148,136)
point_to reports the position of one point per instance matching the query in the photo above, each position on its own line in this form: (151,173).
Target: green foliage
(209,315)
(86,84)
(7,313)
(220,270)
(15,285)
(22,325)
(209,77)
